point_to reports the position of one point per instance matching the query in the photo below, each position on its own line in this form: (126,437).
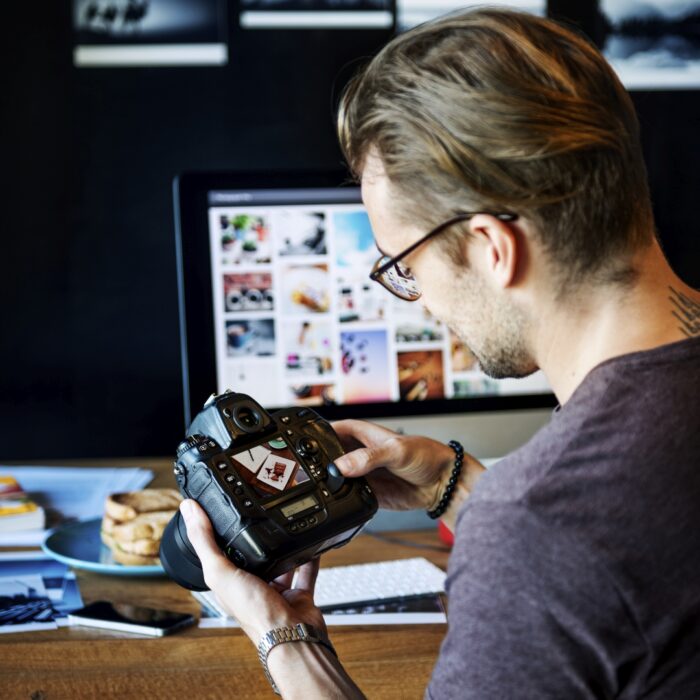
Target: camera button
(289,432)
(302,524)
(247,503)
(285,419)
(221,465)
(312,520)
(293,527)
(238,491)
(230,478)
(303,412)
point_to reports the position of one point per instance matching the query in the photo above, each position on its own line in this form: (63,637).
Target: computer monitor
(276,302)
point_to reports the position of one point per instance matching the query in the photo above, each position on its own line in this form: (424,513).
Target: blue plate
(79,545)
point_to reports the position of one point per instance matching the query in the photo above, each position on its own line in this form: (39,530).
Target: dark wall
(89,357)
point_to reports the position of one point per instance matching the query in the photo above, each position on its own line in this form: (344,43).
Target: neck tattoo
(687,312)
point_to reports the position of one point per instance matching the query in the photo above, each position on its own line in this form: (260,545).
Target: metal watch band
(301,632)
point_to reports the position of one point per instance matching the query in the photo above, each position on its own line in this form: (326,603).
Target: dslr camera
(269,485)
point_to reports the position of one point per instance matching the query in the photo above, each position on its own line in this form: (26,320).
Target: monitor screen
(293,318)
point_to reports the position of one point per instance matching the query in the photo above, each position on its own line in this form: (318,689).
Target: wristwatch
(299,633)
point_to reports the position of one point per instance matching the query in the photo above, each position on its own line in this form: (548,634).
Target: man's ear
(496,248)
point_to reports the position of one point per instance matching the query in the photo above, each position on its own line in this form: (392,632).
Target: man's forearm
(303,670)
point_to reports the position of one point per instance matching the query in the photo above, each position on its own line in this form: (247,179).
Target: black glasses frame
(380,270)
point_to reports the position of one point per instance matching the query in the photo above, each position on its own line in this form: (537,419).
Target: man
(576,569)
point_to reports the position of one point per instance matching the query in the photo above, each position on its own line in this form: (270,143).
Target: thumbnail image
(312,394)
(245,238)
(462,358)
(361,301)
(149,32)
(414,324)
(652,44)
(299,232)
(248,291)
(365,365)
(421,375)
(480,386)
(354,241)
(270,468)
(250,338)
(305,288)
(308,349)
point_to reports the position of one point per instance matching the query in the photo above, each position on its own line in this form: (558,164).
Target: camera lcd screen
(270,467)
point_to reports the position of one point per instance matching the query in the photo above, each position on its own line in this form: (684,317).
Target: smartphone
(130,618)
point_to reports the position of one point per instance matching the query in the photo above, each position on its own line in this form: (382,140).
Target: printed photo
(305,289)
(316,14)
(415,324)
(299,232)
(354,241)
(270,468)
(479,386)
(461,357)
(365,366)
(252,337)
(249,291)
(37,572)
(410,13)
(653,44)
(312,395)
(308,348)
(421,375)
(362,301)
(149,32)
(245,239)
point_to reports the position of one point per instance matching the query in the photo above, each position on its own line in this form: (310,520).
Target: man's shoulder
(637,412)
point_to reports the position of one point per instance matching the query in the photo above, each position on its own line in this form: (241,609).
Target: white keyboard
(384,580)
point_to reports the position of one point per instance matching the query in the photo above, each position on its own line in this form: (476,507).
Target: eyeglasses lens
(401,282)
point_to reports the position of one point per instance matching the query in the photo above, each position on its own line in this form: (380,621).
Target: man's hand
(260,607)
(256,605)
(406,471)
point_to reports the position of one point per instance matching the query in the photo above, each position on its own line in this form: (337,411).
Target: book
(17,510)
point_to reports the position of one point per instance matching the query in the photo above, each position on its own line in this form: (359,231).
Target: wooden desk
(73,663)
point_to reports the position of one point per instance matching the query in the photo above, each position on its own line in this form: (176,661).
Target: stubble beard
(494,332)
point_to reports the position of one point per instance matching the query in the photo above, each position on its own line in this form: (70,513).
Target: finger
(389,454)
(362,432)
(284,581)
(201,535)
(306,576)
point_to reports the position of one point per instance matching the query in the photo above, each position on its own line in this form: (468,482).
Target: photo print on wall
(315,14)
(123,33)
(652,45)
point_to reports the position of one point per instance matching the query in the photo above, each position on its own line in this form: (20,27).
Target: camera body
(269,486)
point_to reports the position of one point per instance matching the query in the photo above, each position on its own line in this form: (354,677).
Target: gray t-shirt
(576,566)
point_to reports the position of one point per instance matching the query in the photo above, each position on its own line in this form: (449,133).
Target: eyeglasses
(398,279)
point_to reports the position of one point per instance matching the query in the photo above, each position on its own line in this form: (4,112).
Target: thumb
(365,460)
(201,535)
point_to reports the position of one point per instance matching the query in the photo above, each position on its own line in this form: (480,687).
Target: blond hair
(505,111)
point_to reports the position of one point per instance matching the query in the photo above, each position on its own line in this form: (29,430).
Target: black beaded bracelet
(441,507)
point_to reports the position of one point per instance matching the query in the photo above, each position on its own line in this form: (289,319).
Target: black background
(89,356)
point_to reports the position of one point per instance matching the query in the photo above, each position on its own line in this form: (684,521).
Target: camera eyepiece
(246,417)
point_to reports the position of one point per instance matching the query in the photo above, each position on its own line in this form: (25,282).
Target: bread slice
(146,526)
(108,524)
(145,548)
(126,506)
(130,559)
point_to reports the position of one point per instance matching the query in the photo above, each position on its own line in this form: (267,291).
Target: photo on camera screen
(270,468)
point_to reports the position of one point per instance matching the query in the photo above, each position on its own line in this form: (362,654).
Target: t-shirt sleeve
(530,615)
